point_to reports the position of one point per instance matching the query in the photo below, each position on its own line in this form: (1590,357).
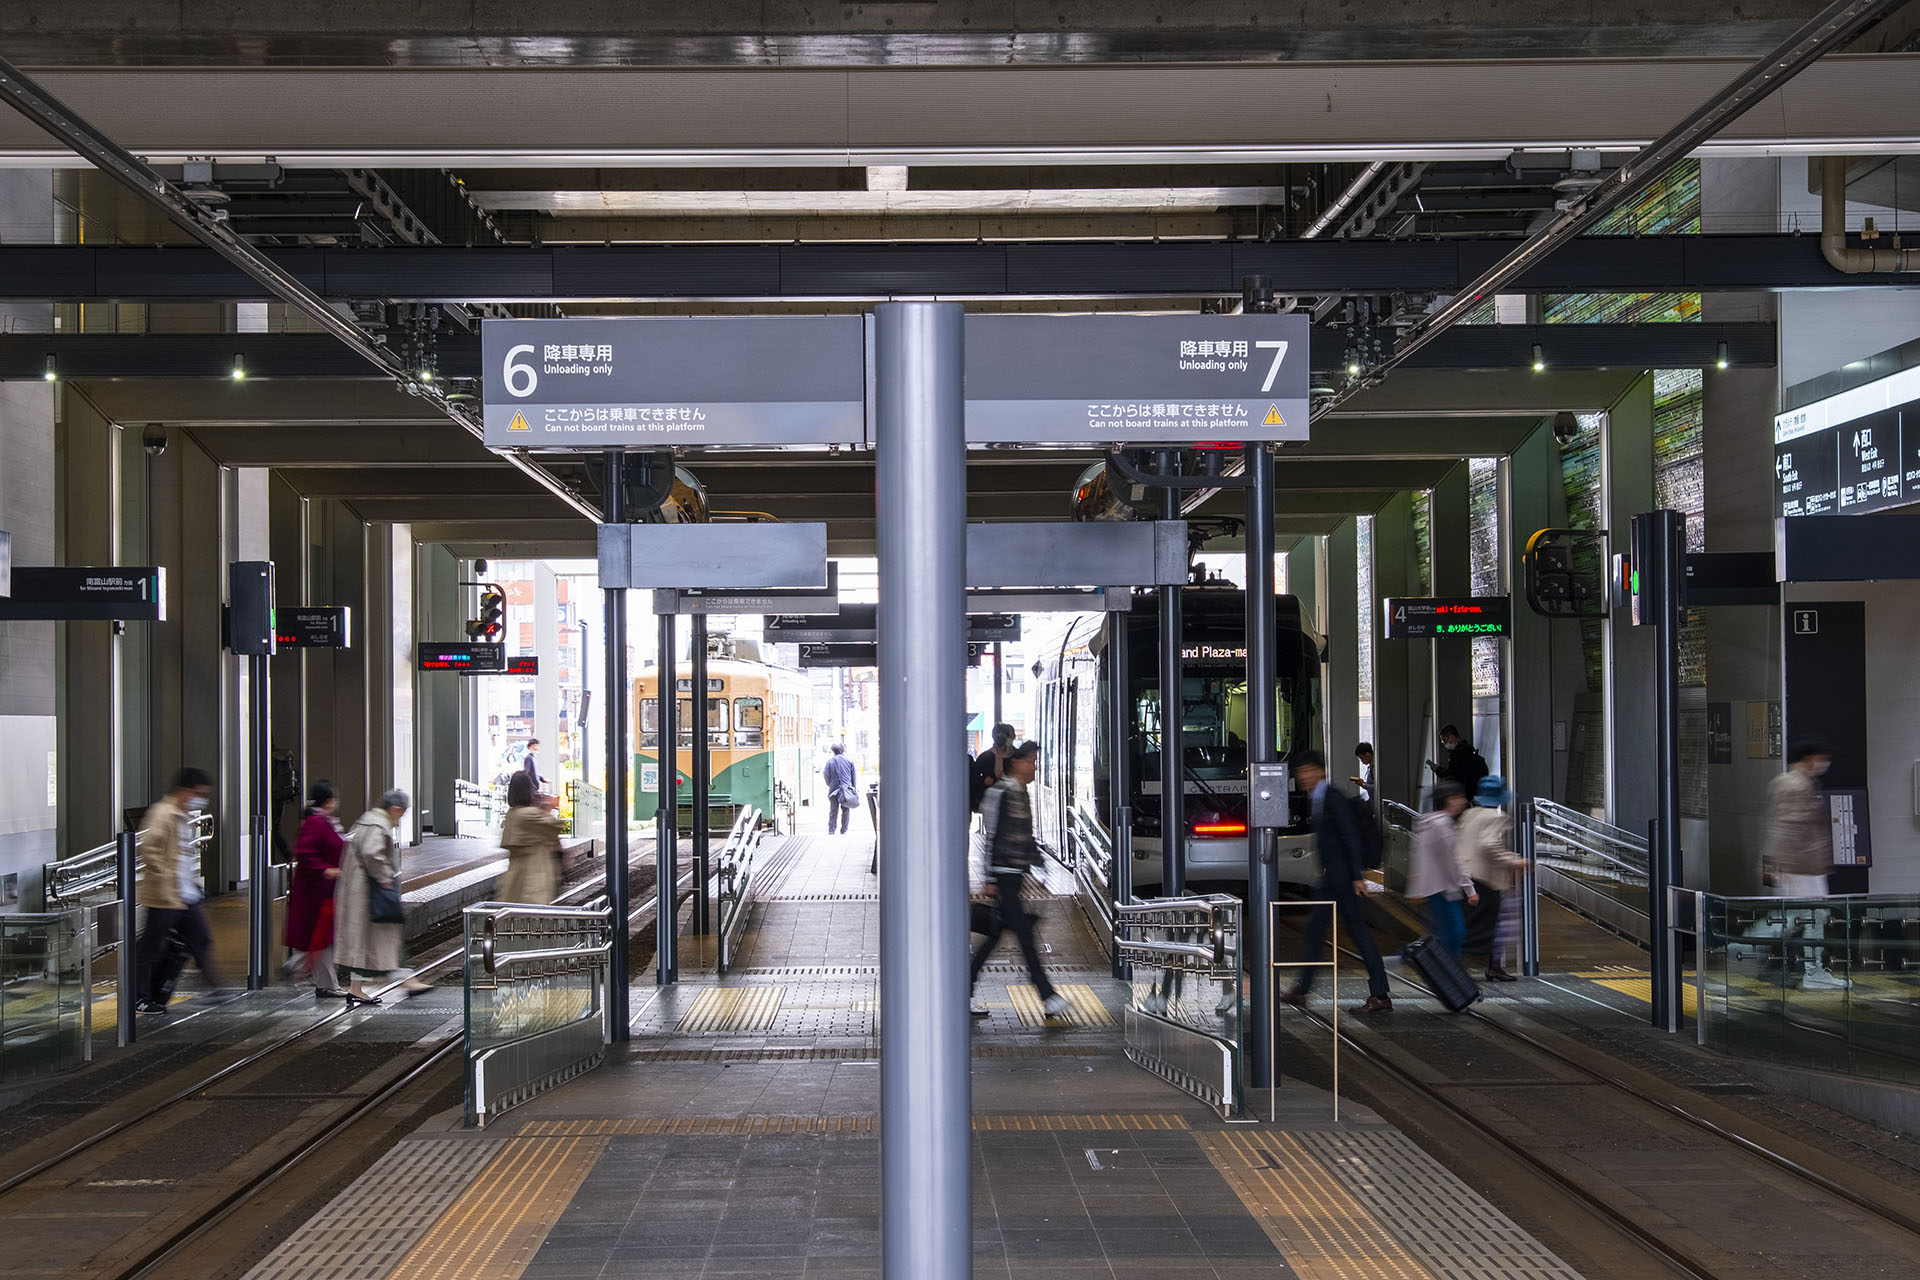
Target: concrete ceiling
(794,33)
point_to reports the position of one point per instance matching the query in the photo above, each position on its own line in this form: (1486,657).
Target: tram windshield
(1213,721)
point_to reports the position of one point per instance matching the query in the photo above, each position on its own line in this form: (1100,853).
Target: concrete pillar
(86,678)
(287,692)
(396,687)
(28,716)
(1532,498)
(546,685)
(1401,668)
(1450,534)
(1627,488)
(1341,610)
(437,700)
(244,536)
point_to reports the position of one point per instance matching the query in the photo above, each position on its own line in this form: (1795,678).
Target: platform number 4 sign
(1806,622)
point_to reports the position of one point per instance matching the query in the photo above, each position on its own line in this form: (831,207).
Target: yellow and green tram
(759,737)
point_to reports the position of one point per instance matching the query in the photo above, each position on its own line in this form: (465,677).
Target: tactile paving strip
(1324,1231)
(733,1125)
(1450,1226)
(499,1222)
(856,1053)
(1083,1006)
(733,1009)
(368,1228)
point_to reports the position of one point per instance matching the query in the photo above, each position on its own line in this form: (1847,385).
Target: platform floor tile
(368,1228)
(504,1216)
(1452,1228)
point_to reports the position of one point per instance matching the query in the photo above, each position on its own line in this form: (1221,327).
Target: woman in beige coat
(531,837)
(362,948)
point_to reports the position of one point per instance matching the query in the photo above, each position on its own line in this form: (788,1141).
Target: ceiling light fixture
(1720,355)
(239,368)
(1539,359)
(52,374)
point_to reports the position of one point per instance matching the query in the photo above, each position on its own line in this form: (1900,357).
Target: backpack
(1366,829)
(977,782)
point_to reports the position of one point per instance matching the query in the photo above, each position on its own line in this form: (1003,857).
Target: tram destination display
(605,381)
(859,624)
(1425,617)
(469,657)
(1851,453)
(313,627)
(1103,379)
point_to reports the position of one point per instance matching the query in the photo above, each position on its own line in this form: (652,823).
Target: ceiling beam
(1747,345)
(1296,107)
(449,273)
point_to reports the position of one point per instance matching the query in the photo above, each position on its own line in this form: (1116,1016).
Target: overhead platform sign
(652,381)
(73,594)
(1111,379)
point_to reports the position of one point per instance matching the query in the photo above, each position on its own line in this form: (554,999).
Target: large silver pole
(1120,761)
(702,766)
(1173,791)
(666,921)
(925,1093)
(1262,875)
(614,635)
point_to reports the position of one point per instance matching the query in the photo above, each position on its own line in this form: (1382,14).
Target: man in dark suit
(1342,880)
(530,766)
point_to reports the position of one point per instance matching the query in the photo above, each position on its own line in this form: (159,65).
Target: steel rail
(34,102)
(1619,1220)
(1767,1155)
(438,962)
(1838,22)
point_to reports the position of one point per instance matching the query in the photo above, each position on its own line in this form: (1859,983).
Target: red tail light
(1219,828)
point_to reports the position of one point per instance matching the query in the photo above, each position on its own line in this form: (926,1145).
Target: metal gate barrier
(733,881)
(1184,1020)
(536,1013)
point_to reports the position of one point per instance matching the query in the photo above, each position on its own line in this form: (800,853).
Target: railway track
(1408,1090)
(174,1238)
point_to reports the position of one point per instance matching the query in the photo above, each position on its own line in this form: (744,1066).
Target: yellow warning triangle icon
(1273,417)
(519,422)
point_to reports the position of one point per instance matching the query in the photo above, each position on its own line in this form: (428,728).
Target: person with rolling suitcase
(1485,834)
(1438,877)
(1339,835)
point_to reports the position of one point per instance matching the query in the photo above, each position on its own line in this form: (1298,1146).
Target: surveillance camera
(1565,426)
(154,439)
(479,566)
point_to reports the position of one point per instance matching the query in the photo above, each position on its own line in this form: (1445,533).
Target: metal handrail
(1394,809)
(494,964)
(1558,814)
(1214,917)
(82,873)
(732,884)
(595,912)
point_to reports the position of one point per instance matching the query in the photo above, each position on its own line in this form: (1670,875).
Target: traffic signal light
(491,624)
(1565,573)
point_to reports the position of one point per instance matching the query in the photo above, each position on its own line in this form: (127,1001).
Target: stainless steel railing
(478,810)
(535,987)
(732,882)
(1091,846)
(1183,1022)
(1597,869)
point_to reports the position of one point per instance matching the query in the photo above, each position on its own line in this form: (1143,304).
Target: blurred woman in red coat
(316,865)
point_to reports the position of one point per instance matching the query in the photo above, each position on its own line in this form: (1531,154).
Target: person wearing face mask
(1799,856)
(171,891)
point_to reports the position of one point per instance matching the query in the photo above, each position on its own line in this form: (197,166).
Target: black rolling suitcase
(1443,973)
(167,972)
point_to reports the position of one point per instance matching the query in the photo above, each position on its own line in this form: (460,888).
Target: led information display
(1423,617)
(1851,453)
(525,664)
(471,657)
(313,627)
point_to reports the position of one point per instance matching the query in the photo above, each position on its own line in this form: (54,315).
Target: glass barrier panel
(1831,984)
(43,996)
(522,996)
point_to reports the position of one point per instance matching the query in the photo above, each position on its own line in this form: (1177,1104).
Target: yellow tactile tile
(498,1224)
(723,1125)
(1083,1006)
(1325,1233)
(733,1009)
